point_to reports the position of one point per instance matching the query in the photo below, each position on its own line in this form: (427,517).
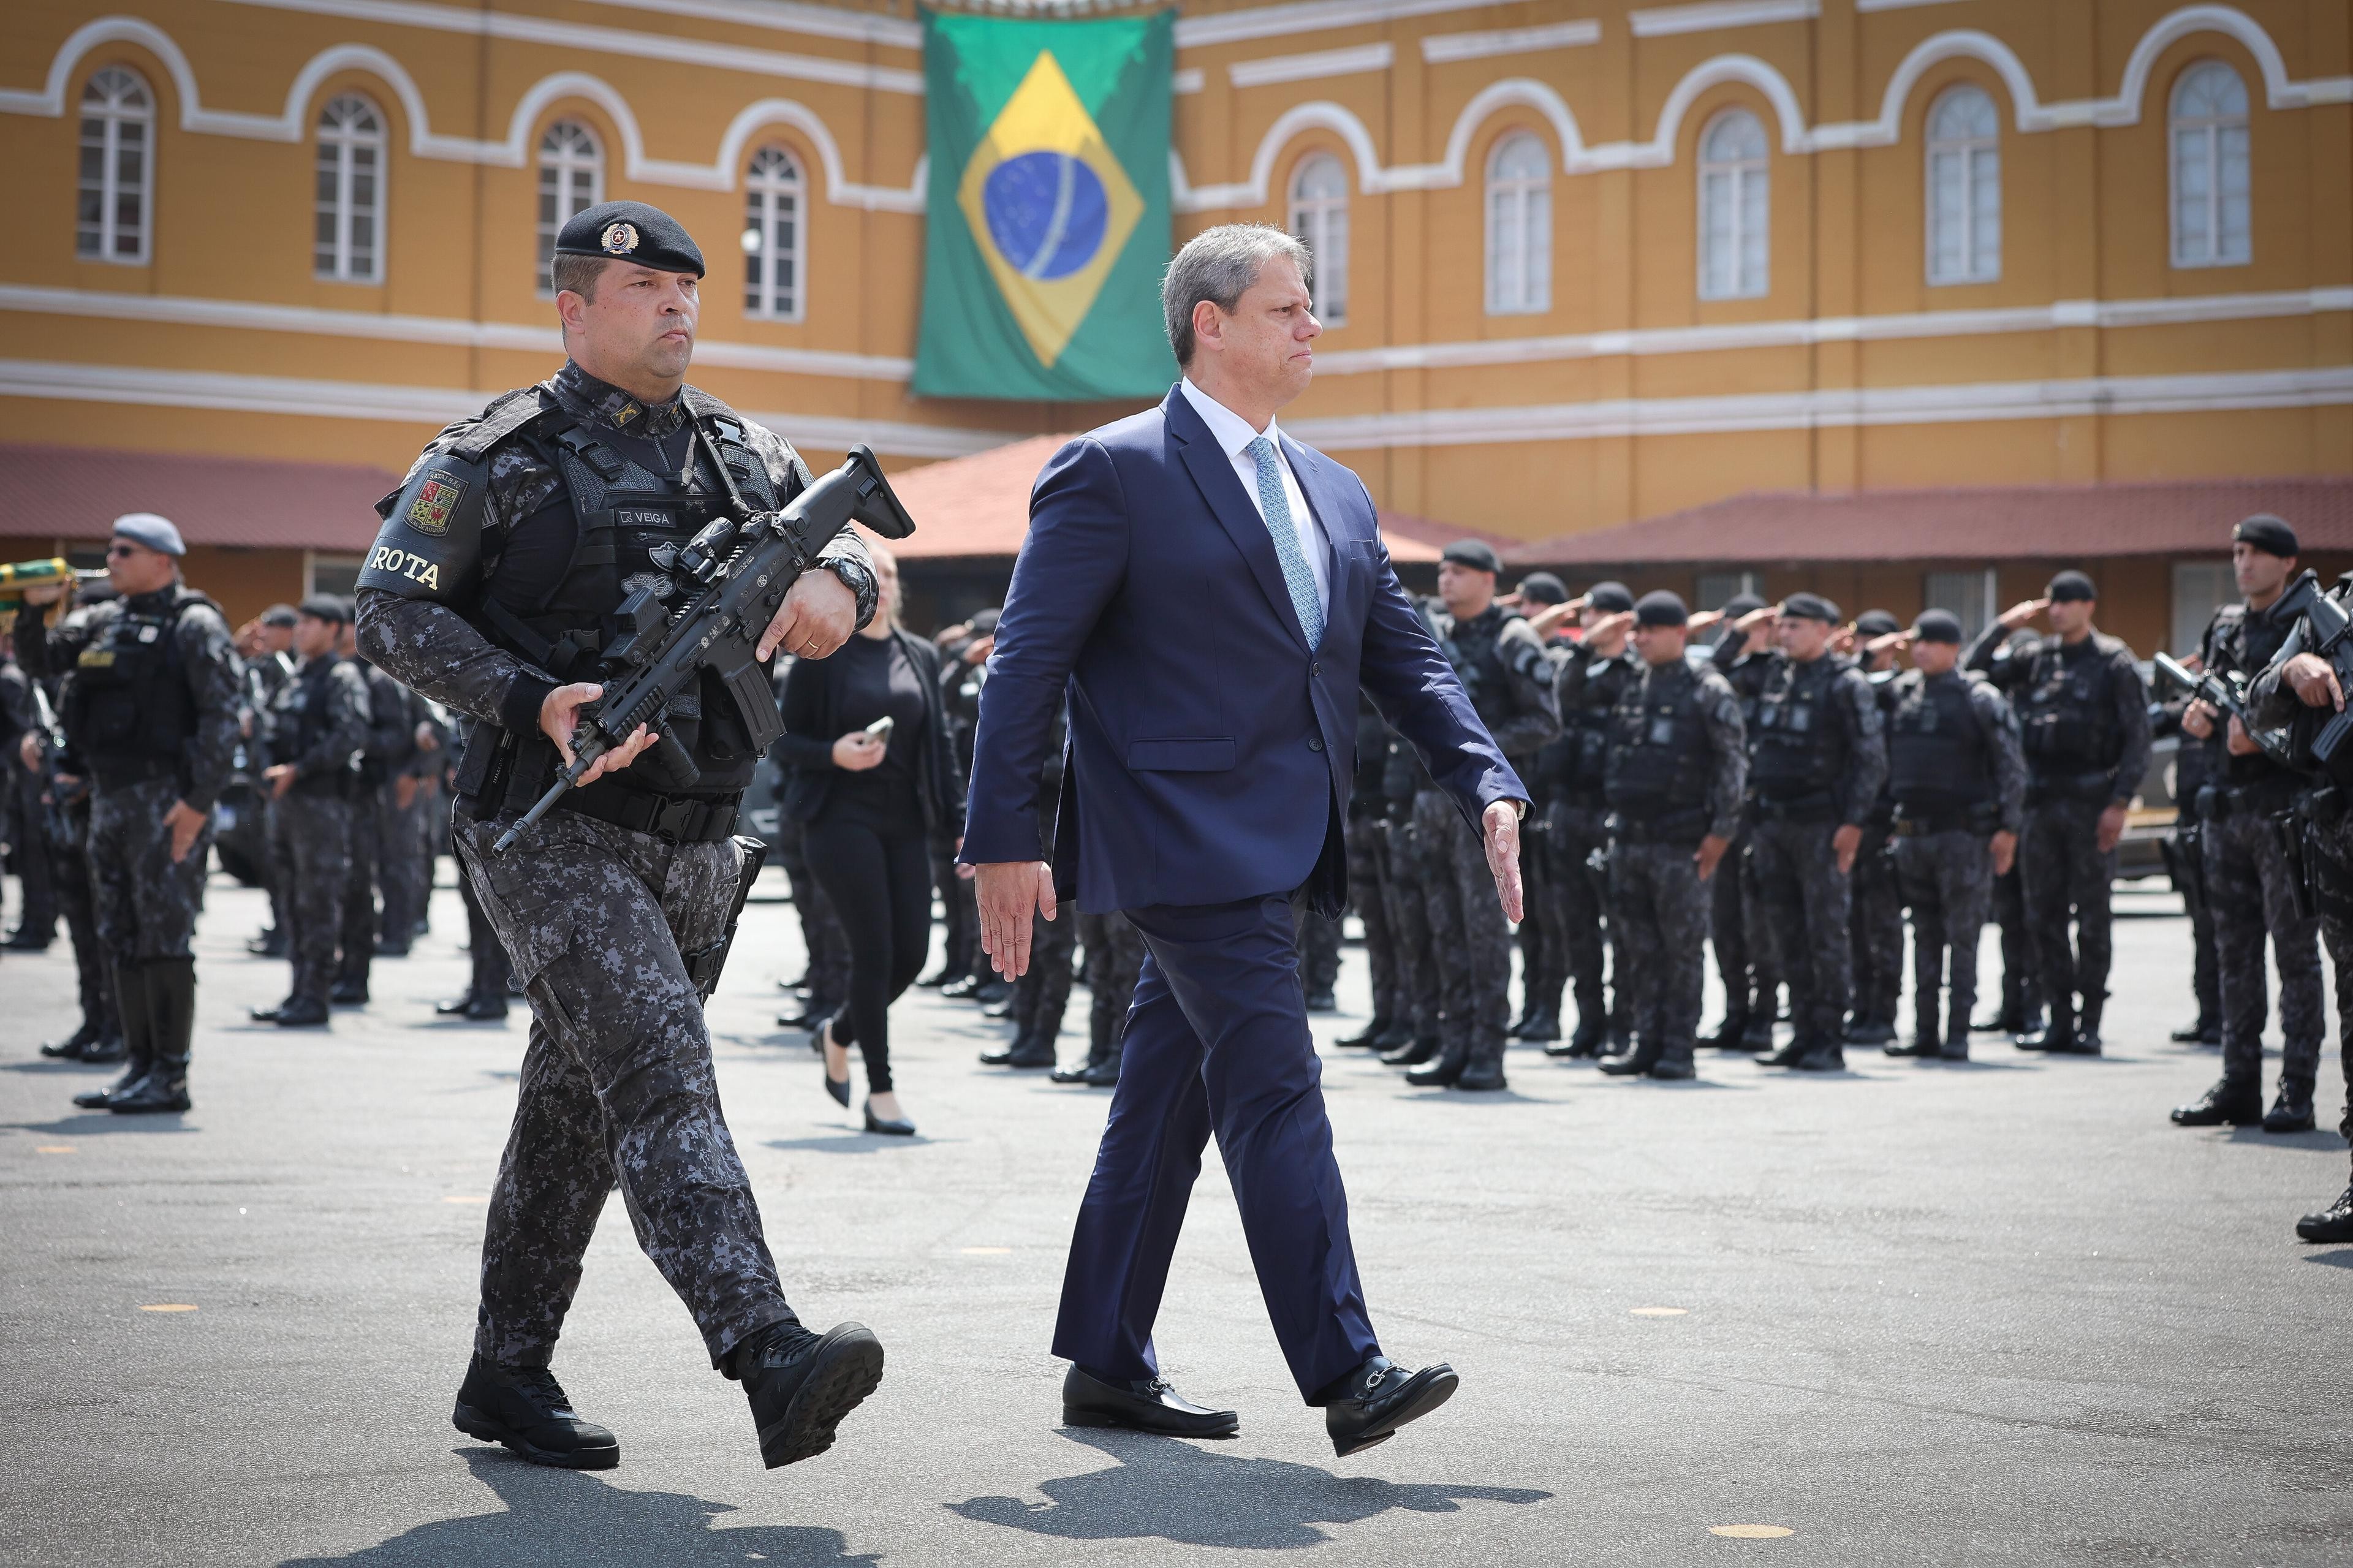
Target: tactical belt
(2217,803)
(1818,807)
(1687,826)
(121,773)
(2097,785)
(1921,821)
(672,818)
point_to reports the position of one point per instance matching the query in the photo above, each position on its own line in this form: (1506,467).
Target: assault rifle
(2326,629)
(739,568)
(2228,692)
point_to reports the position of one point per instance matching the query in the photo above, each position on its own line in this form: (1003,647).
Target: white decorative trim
(1833,408)
(1313,16)
(370,400)
(1668,20)
(783,16)
(1867,6)
(1191,80)
(1312,67)
(1445,48)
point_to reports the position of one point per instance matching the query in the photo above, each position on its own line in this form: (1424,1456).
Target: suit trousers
(1216,1042)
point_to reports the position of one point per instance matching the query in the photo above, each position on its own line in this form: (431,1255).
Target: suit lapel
(1231,506)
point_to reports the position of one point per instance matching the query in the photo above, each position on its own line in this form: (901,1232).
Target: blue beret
(631,231)
(156,533)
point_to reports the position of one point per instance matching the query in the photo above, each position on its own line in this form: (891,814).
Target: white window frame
(571,156)
(1319,219)
(1519,230)
(1736,172)
(2214,130)
(115,99)
(341,142)
(776,193)
(1979,159)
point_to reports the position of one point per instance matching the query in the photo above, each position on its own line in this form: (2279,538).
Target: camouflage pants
(1744,947)
(1659,911)
(405,872)
(310,838)
(146,904)
(2185,860)
(2250,882)
(959,905)
(1947,878)
(1369,874)
(1043,994)
(617,1083)
(2062,872)
(2020,983)
(1319,949)
(1582,894)
(355,942)
(1468,932)
(2331,847)
(1541,971)
(93,971)
(1114,957)
(1878,931)
(1806,901)
(1408,907)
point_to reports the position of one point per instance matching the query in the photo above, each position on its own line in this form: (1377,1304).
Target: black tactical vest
(1936,746)
(1657,759)
(1798,747)
(1475,648)
(1579,760)
(2067,711)
(298,720)
(126,706)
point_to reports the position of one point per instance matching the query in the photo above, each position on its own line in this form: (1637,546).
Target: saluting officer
(1878,923)
(515,535)
(1674,779)
(1595,673)
(1737,926)
(1958,782)
(151,708)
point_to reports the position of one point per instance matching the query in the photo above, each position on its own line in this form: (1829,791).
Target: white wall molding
(1668,20)
(1312,67)
(1444,48)
(1193,80)
(782,15)
(1315,16)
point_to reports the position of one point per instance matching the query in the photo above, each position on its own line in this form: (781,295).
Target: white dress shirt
(1232,433)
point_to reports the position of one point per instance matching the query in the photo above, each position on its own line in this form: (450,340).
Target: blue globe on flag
(1048,212)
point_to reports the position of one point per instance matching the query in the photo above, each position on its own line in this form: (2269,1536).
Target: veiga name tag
(414,567)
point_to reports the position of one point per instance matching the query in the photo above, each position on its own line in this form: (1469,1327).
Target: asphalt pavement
(1983,1314)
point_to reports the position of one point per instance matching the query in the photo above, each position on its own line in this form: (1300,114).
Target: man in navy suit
(1212,594)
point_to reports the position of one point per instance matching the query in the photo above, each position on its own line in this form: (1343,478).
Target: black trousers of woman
(879,876)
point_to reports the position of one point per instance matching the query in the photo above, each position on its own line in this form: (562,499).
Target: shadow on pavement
(87,1123)
(1168,1490)
(849,1143)
(2340,1258)
(563,1517)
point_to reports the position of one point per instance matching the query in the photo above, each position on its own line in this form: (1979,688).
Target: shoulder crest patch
(436,499)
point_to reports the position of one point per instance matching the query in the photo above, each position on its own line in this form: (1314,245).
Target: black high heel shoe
(900,1128)
(839,1087)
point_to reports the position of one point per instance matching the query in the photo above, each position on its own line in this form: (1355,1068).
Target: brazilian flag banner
(1046,227)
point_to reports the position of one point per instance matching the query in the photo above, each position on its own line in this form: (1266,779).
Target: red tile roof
(2173,517)
(70,492)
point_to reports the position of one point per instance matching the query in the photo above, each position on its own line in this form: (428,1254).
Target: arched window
(1964,188)
(2212,220)
(1319,217)
(1519,227)
(571,181)
(349,235)
(115,197)
(1734,201)
(772,236)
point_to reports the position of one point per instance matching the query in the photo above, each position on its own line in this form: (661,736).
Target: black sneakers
(801,1385)
(527,1410)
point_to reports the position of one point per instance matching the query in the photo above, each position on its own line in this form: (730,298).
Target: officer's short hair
(577,275)
(1220,265)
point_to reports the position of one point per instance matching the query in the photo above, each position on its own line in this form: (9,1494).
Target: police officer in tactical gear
(1415,1037)
(1544,965)
(1737,925)
(1878,923)
(1958,780)
(1365,836)
(2253,882)
(1674,779)
(1817,756)
(2195,764)
(314,730)
(150,707)
(516,535)
(2085,713)
(268,659)
(1502,667)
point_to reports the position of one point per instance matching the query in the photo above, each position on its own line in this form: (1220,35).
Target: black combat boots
(2227,1104)
(525,1408)
(1370,1035)
(1411,1054)
(137,1038)
(2334,1222)
(1444,1068)
(1644,1056)
(171,987)
(1729,1035)
(801,1385)
(1483,1072)
(2292,1112)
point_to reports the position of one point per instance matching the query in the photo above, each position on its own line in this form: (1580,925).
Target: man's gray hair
(1220,265)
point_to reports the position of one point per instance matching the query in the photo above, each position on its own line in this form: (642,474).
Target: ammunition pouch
(705,964)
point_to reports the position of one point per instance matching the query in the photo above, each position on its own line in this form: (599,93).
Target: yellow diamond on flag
(1049,207)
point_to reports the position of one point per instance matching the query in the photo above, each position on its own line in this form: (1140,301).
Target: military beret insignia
(620,238)
(436,499)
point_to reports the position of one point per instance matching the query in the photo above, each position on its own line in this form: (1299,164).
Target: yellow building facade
(1586,263)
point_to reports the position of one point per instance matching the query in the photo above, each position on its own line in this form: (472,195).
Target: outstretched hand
(1007,891)
(1502,834)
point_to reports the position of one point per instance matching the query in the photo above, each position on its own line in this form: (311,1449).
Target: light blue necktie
(1277,508)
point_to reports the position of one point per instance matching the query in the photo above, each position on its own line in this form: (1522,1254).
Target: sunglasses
(121,551)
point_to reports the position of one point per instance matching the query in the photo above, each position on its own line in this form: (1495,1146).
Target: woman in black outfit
(873,805)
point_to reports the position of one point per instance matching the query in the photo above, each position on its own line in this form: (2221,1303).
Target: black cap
(1937,626)
(278,615)
(2267,534)
(326,607)
(631,231)
(1475,553)
(983,622)
(1543,588)
(1876,623)
(1740,604)
(1661,608)
(1610,597)
(2072,586)
(1809,608)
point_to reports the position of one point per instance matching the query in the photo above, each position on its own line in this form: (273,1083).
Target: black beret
(2267,534)
(1809,608)
(326,607)
(1876,623)
(2072,586)
(278,615)
(1660,608)
(1543,588)
(983,622)
(1740,604)
(1610,596)
(631,231)
(1937,626)
(1475,553)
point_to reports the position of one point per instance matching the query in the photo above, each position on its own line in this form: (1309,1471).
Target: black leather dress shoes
(1146,1406)
(1370,1403)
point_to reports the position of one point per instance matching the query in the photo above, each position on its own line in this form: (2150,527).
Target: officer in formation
(964,670)
(1544,952)
(20,812)
(1743,655)
(1366,835)
(149,701)
(2253,884)
(2084,716)
(515,535)
(266,645)
(1878,923)
(490,978)
(2196,763)
(1956,778)
(403,755)
(1112,960)
(314,732)
(1502,663)
(1406,893)
(64,792)
(1039,1000)
(1673,777)
(824,985)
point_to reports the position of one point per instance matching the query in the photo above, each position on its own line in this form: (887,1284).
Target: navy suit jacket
(1210,749)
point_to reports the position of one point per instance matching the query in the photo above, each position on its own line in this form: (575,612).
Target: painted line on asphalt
(1751,1531)
(1661,1311)
(169,1307)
